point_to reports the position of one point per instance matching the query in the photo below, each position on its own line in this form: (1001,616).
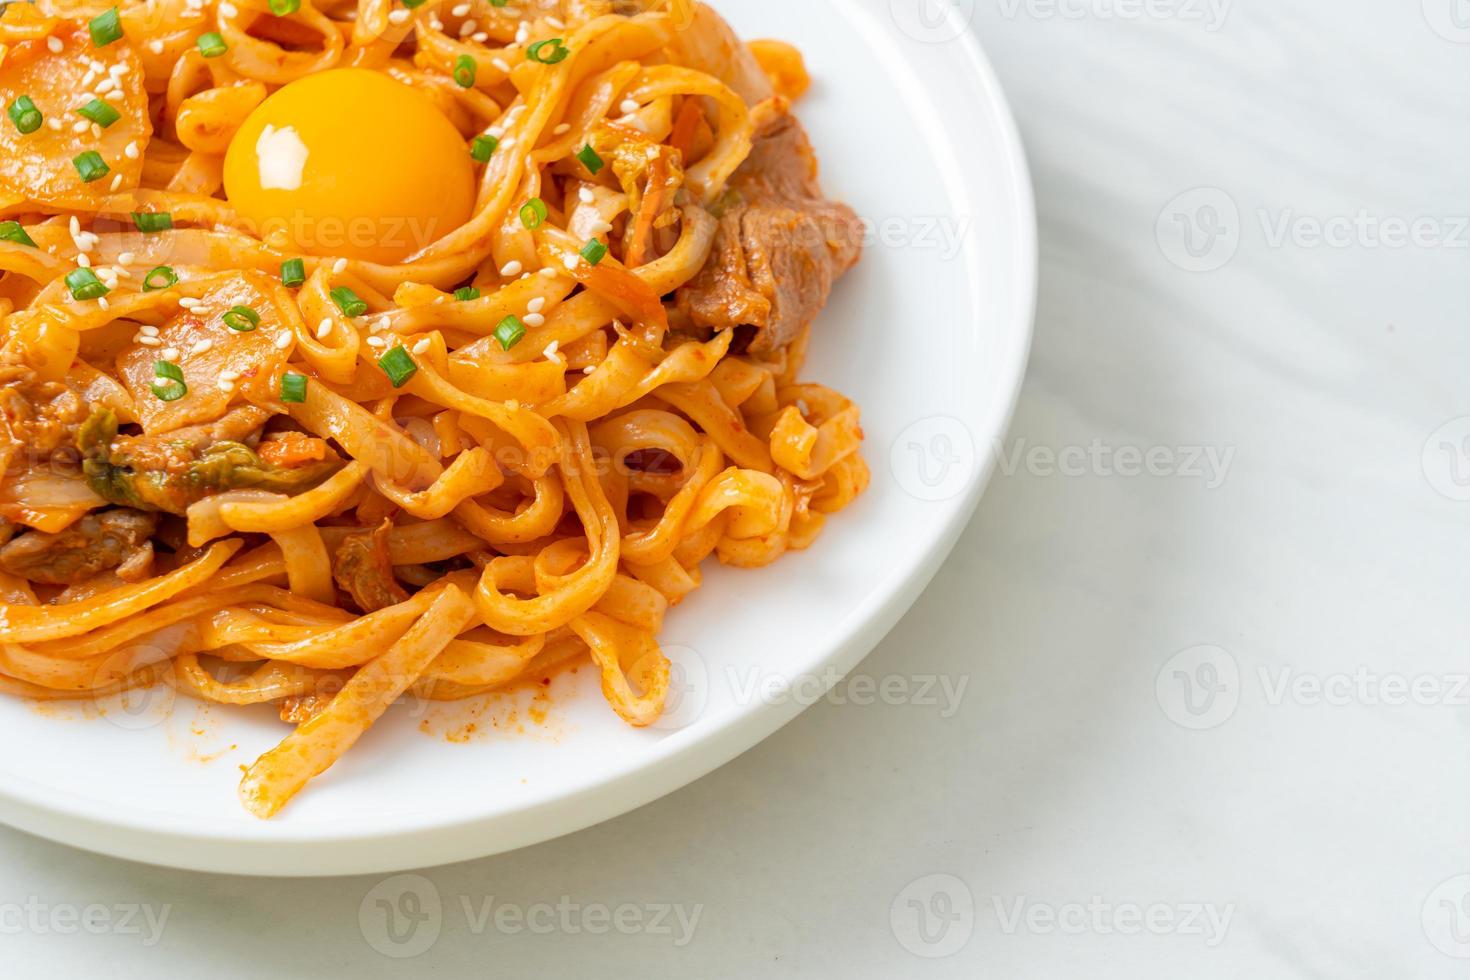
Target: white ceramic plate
(929,334)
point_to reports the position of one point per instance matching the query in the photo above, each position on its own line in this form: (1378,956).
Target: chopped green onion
(212,45)
(594,252)
(466,293)
(105,28)
(241,318)
(84,284)
(557,53)
(348,302)
(159,277)
(90,165)
(153,221)
(482,147)
(498,3)
(25,115)
(464,71)
(282,8)
(533,213)
(100,113)
(510,332)
(11,231)
(293,272)
(293,387)
(590,159)
(410,4)
(176,388)
(398,365)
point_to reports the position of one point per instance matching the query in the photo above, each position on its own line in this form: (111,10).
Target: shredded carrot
(655,190)
(685,126)
(291,449)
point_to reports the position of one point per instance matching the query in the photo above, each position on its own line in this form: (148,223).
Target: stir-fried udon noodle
(353,350)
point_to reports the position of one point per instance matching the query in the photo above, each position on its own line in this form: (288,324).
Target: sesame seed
(534,320)
(228,10)
(116,181)
(283,340)
(562,129)
(150,341)
(511,268)
(229,375)
(435,22)
(189,302)
(497,131)
(585,195)
(570,260)
(467,28)
(126,258)
(339,267)
(557,23)
(460,9)
(523,33)
(479,37)
(118,70)
(550,349)
(54,44)
(83,261)
(202,346)
(126,274)
(81,126)
(549,273)
(422,347)
(156,47)
(226,386)
(536,305)
(148,330)
(589,369)
(106,85)
(324,328)
(501,64)
(54,124)
(398,16)
(525,275)
(169,353)
(376,341)
(75,226)
(102,301)
(88,79)
(131,150)
(630,106)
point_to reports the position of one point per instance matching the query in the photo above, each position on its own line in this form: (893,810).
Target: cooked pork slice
(99,541)
(362,569)
(780,245)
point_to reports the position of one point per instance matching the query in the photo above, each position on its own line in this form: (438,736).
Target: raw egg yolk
(350,163)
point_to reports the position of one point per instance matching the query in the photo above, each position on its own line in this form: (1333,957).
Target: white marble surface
(1096,822)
